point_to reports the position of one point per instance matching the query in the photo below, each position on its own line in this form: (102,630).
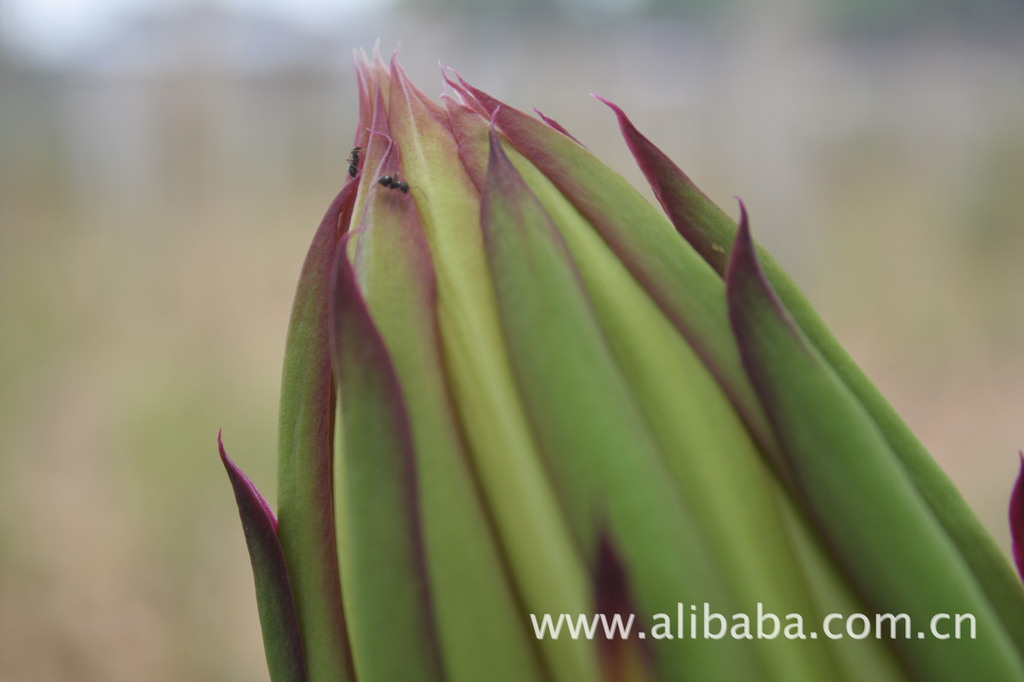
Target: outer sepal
(388,606)
(603,456)
(464,559)
(305,456)
(622,660)
(282,639)
(548,571)
(707,228)
(683,286)
(895,554)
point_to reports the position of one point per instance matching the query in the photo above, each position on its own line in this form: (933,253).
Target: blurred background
(163,165)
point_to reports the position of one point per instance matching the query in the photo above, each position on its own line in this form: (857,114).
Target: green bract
(514,388)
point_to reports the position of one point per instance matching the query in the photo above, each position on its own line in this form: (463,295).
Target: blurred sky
(57,30)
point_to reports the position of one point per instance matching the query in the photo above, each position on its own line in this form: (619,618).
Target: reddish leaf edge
(1017,519)
(279,622)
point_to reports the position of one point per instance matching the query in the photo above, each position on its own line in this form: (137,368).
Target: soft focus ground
(157,195)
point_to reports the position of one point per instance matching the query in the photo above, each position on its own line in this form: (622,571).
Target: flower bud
(514,388)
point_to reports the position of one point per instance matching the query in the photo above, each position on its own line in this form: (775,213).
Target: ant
(392,183)
(353,161)
(385,180)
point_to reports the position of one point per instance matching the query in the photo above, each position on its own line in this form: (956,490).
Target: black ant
(353,161)
(392,183)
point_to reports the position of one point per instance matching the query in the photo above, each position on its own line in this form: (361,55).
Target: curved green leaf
(711,232)
(596,443)
(549,571)
(885,537)
(387,602)
(305,456)
(686,289)
(481,631)
(282,639)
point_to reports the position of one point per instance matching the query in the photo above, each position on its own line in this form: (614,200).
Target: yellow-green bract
(513,387)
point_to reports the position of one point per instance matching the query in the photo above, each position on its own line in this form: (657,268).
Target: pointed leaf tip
(696,218)
(556,125)
(614,107)
(744,277)
(282,642)
(243,486)
(751,302)
(621,659)
(1017,518)
(744,238)
(611,589)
